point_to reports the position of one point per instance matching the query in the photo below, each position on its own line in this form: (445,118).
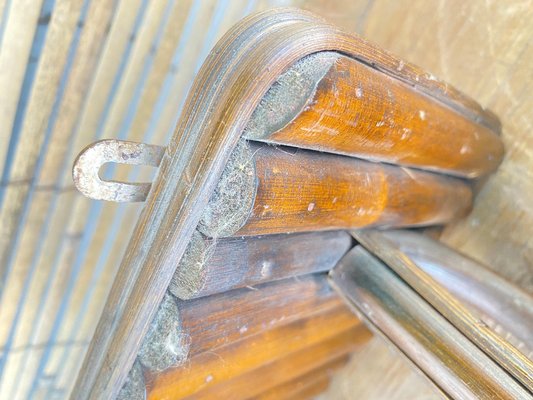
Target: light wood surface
(320,376)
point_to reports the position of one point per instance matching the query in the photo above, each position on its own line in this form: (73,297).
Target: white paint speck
(334,200)
(465,149)
(208,378)
(243,329)
(358,92)
(422,115)
(311,206)
(266,268)
(380,123)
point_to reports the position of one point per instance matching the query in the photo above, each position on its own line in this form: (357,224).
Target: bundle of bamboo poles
(333,144)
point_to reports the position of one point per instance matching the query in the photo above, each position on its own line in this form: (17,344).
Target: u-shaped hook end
(85,171)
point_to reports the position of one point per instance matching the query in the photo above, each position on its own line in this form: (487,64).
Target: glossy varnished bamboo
(220,265)
(504,307)
(210,369)
(497,348)
(221,101)
(214,321)
(358,111)
(299,362)
(299,190)
(447,357)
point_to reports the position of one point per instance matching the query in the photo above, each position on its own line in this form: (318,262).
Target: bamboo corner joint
(291,126)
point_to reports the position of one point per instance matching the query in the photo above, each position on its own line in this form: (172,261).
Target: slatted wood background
(74,71)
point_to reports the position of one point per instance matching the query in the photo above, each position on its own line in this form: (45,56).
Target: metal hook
(85,171)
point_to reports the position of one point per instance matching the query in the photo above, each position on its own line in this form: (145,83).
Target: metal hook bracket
(85,171)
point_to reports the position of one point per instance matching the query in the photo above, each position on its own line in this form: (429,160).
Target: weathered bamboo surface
(355,110)
(504,307)
(215,266)
(223,342)
(212,372)
(466,322)
(294,364)
(292,190)
(214,321)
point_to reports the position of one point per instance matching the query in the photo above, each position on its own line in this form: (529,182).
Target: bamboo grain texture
(299,191)
(208,370)
(215,266)
(217,320)
(291,366)
(358,111)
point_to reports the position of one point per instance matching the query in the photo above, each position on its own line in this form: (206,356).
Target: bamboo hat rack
(291,126)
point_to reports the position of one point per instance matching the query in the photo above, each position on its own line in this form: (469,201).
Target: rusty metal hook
(85,171)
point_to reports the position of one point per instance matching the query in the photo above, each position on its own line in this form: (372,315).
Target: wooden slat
(33,131)
(299,190)
(14,54)
(505,308)
(53,286)
(230,316)
(36,237)
(321,375)
(90,41)
(184,72)
(215,266)
(32,330)
(207,370)
(501,351)
(161,68)
(355,110)
(39,107)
